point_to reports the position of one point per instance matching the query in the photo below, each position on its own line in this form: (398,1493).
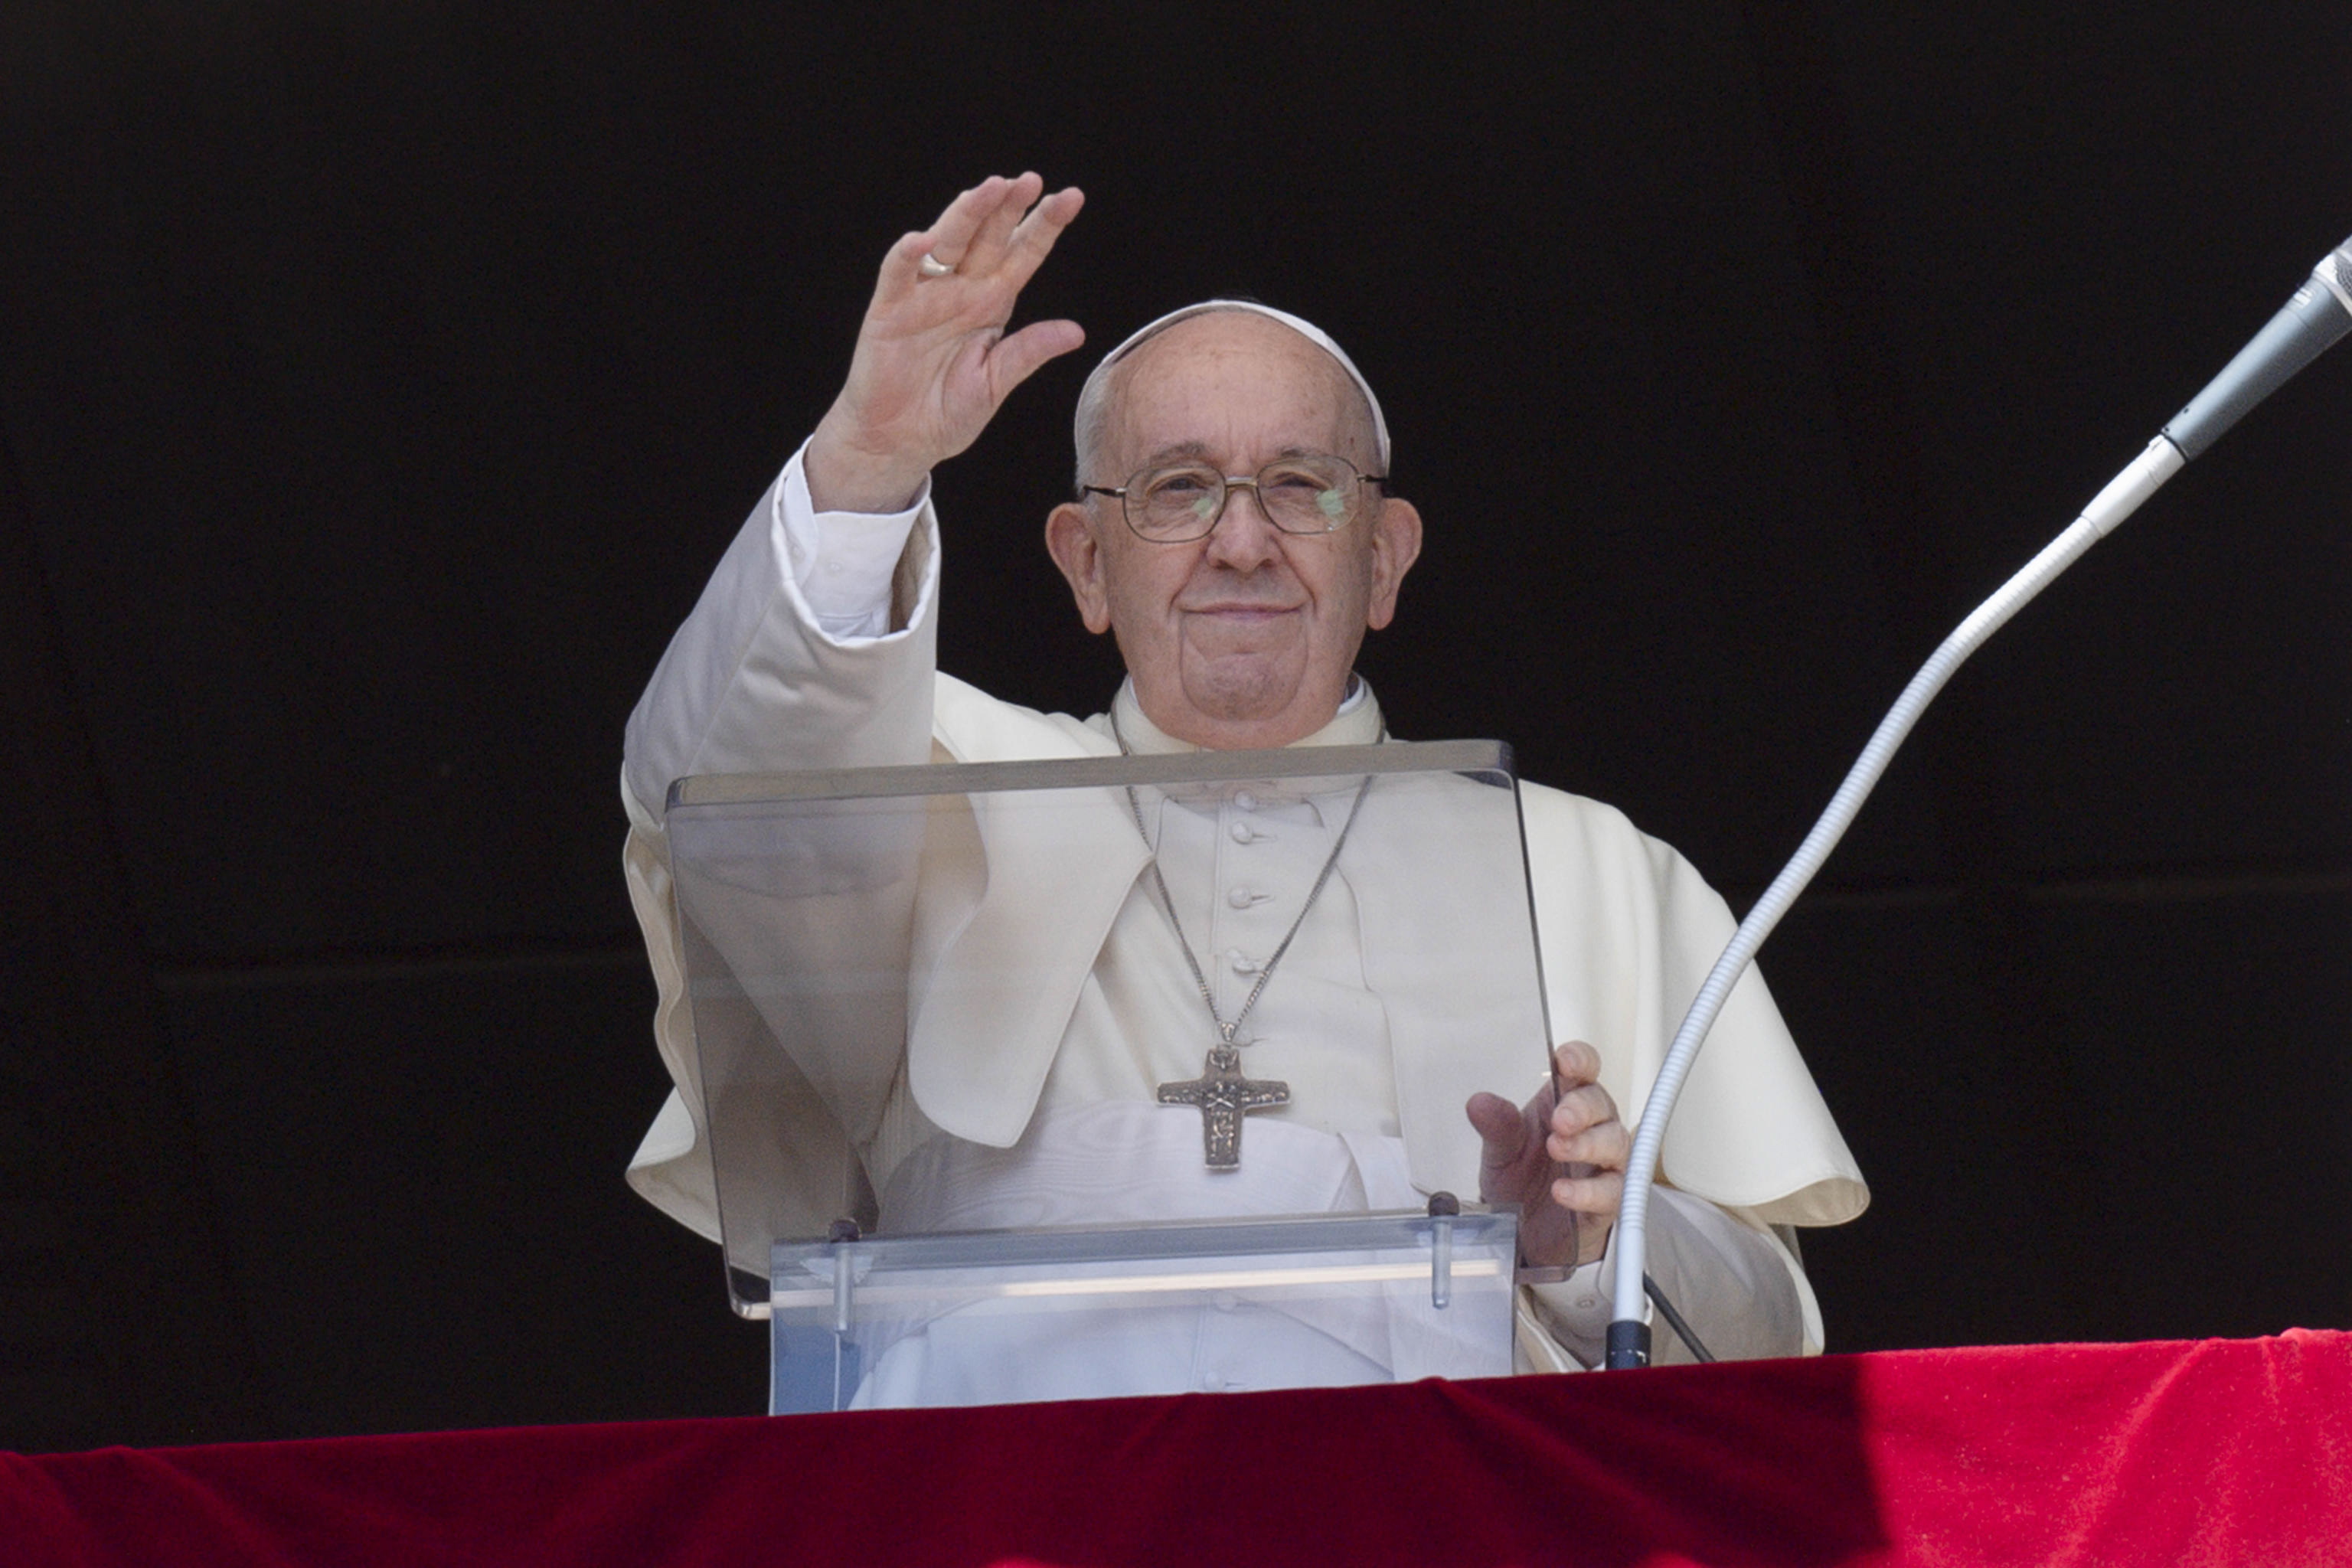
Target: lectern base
(1008,1317)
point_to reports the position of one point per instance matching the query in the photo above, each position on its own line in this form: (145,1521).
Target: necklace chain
(1226,1031)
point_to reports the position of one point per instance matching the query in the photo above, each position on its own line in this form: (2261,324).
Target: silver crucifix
(1224,1093)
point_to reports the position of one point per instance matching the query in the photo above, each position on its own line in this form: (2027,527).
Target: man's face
(1245,637)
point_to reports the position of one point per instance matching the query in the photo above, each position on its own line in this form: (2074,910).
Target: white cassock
(1043,1111)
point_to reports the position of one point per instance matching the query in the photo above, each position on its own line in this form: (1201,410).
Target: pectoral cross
(1223,1092)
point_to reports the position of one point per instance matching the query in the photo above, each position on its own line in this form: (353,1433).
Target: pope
(1235,531)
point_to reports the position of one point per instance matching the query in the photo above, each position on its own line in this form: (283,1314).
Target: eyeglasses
(1181,501)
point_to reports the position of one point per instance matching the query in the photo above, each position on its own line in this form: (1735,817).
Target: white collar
(1356,723)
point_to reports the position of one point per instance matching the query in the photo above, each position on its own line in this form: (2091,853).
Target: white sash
(1129,1162)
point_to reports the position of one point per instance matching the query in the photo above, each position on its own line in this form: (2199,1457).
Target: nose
(1244,539)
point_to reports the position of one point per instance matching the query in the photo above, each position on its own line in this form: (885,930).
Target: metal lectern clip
(843,1232)
(1443,1207)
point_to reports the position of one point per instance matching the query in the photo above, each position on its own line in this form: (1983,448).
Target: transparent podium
(1098,1077)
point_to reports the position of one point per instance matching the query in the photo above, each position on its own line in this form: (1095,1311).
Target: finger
(945,241)
(1015,359)
(1597,1196)
(1606,1146)
(1579,1108)
(952,235)
(1574,1062)
(902,267)
(1502,1127)
(1034,239)
(994,231)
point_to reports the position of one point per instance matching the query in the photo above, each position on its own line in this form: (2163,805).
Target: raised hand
(1563,1219)
(933,363)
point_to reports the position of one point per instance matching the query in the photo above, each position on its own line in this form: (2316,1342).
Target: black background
(379,382)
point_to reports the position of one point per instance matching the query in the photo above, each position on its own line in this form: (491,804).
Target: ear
(1070,541)
(1396,545)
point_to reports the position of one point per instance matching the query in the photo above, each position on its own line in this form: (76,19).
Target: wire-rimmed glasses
(1308,493)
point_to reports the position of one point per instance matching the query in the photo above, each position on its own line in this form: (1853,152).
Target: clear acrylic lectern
(961,1093)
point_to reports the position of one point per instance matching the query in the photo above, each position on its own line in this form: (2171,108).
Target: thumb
(1501,1126)
(1015,359)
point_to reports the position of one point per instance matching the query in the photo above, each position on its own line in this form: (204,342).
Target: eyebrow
(1200,450)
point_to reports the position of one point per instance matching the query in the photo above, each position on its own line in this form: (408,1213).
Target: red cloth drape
(2220,1452)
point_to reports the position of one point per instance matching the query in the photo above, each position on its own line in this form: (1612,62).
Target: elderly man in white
(1235,533)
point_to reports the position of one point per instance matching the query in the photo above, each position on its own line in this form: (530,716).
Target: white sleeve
(758,678)
(843,562)
(1737,1284)
(767,674)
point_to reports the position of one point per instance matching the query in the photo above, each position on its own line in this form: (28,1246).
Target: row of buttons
(1243,896)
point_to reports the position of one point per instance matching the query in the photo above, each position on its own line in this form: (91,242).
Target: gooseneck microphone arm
(2319,314)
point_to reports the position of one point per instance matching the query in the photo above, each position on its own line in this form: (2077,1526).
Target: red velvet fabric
(2217,1452)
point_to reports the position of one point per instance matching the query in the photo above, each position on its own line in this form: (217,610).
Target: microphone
(2319,314)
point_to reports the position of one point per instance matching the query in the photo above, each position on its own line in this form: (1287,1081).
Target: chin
(1242,696)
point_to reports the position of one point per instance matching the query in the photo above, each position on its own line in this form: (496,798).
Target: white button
(1240,898)
(1243,833)
(1586,1303)
(1212,1384)
(1243,799)
(1242,962)
(1224,1300)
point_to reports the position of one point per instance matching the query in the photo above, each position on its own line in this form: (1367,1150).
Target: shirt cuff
(843,562)
(1574,1311)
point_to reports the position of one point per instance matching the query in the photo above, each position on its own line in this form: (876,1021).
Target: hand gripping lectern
(1110,1075)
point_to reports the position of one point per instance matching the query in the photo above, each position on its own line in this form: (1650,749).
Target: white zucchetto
(1304,328)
